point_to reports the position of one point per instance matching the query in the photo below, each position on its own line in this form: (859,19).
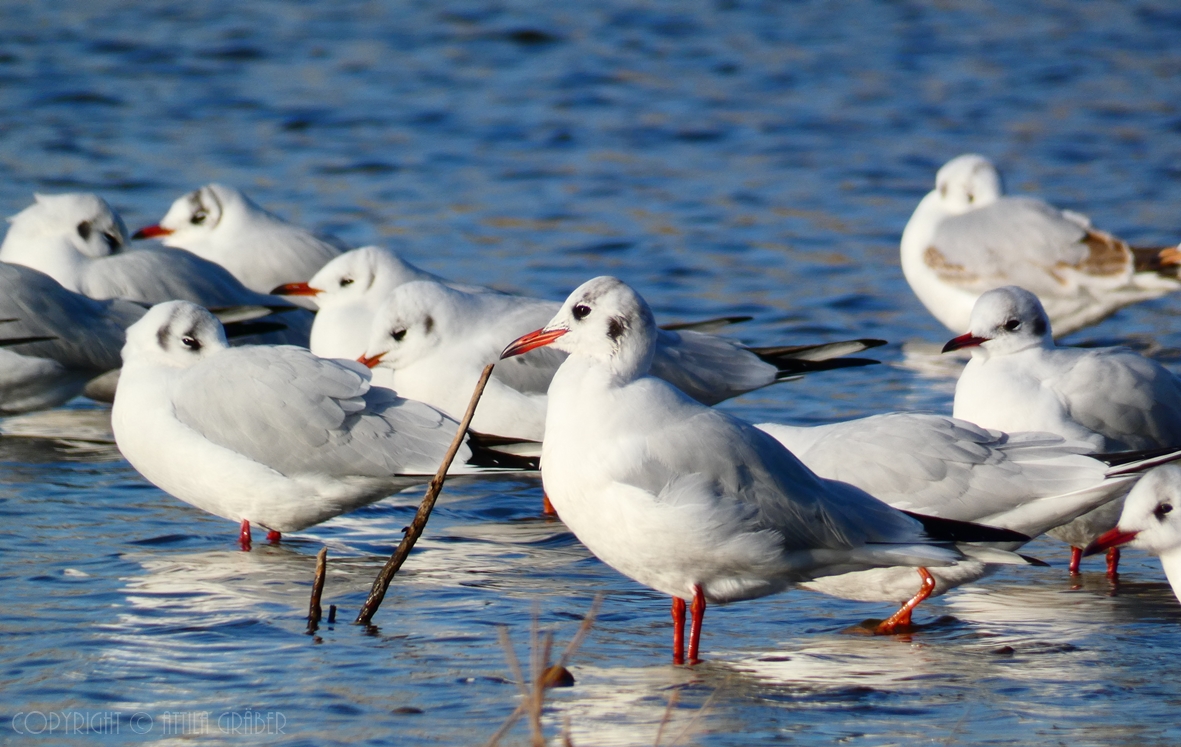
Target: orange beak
(966,340)
(151,232)
(537,339)
(370,362)
(1108,540)
(296,289)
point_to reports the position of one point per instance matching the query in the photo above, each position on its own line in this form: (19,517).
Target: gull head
(1151,520)
(82,220)
(193,221)
(1005,320)
(410,324)
(176,334)
(603,320)
(967,182)
(360,275)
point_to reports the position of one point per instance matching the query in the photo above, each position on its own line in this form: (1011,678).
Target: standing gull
(269,435)
(691,501)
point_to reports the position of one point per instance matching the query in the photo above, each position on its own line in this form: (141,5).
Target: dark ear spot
(162,335)
(616,327)
(1039,326)
(84,230)
(428,324)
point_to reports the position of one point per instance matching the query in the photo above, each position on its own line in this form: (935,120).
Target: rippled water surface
(725,158)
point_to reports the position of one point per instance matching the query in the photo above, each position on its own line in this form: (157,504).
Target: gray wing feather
(752,474)
(154,275)
(89,333)
(1138,405)
(299,414)
(942,466)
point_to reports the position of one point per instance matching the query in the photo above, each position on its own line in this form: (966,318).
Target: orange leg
(273,537)
(1076,557)
(1113,563)
(547,508)
(698,610)
(244,534)
(901,618)
(678,630)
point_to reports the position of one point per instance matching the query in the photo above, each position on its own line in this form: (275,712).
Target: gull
(81,242)
(431,335)
(348,291)
(939,466)
(1019,380)
(965,238)
(691,501)
(223,225)
(1150,522)
(71,339)
(269,435)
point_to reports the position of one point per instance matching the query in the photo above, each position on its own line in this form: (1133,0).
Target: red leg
(273,537)
(547,508)
(1076,557)
(698,610)
(1113,563)
(901,618)
(678,630)
(244,534)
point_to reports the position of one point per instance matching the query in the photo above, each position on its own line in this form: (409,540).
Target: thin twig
(382,582)
(696,717)
(314,611)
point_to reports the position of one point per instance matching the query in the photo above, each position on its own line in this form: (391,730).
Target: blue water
(724,158)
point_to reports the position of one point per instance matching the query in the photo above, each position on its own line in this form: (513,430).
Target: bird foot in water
(274,537)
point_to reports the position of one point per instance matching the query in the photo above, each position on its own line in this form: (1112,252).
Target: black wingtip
(1119,458)
(1034,561)
(25,340)
(951,530)
(486,454)
(235,330)
(793,367)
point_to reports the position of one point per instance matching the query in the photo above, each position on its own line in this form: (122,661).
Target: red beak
(151,232)
(296,289)
(966,340)
(528,342)
(370,362)
(1108,540)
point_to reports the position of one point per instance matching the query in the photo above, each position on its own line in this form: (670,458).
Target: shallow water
(724,158)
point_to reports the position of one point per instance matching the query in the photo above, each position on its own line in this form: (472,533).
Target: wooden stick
(382,582)
(317,590)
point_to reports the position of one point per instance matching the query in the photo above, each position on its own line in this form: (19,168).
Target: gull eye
(199,217)
(346,282)
(581,311)
(1163,509)
(398,334)
(84,230)
(971,198)
(112,240)
(192,343)
(1012,324)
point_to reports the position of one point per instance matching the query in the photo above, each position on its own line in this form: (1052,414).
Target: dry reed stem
(533,699)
